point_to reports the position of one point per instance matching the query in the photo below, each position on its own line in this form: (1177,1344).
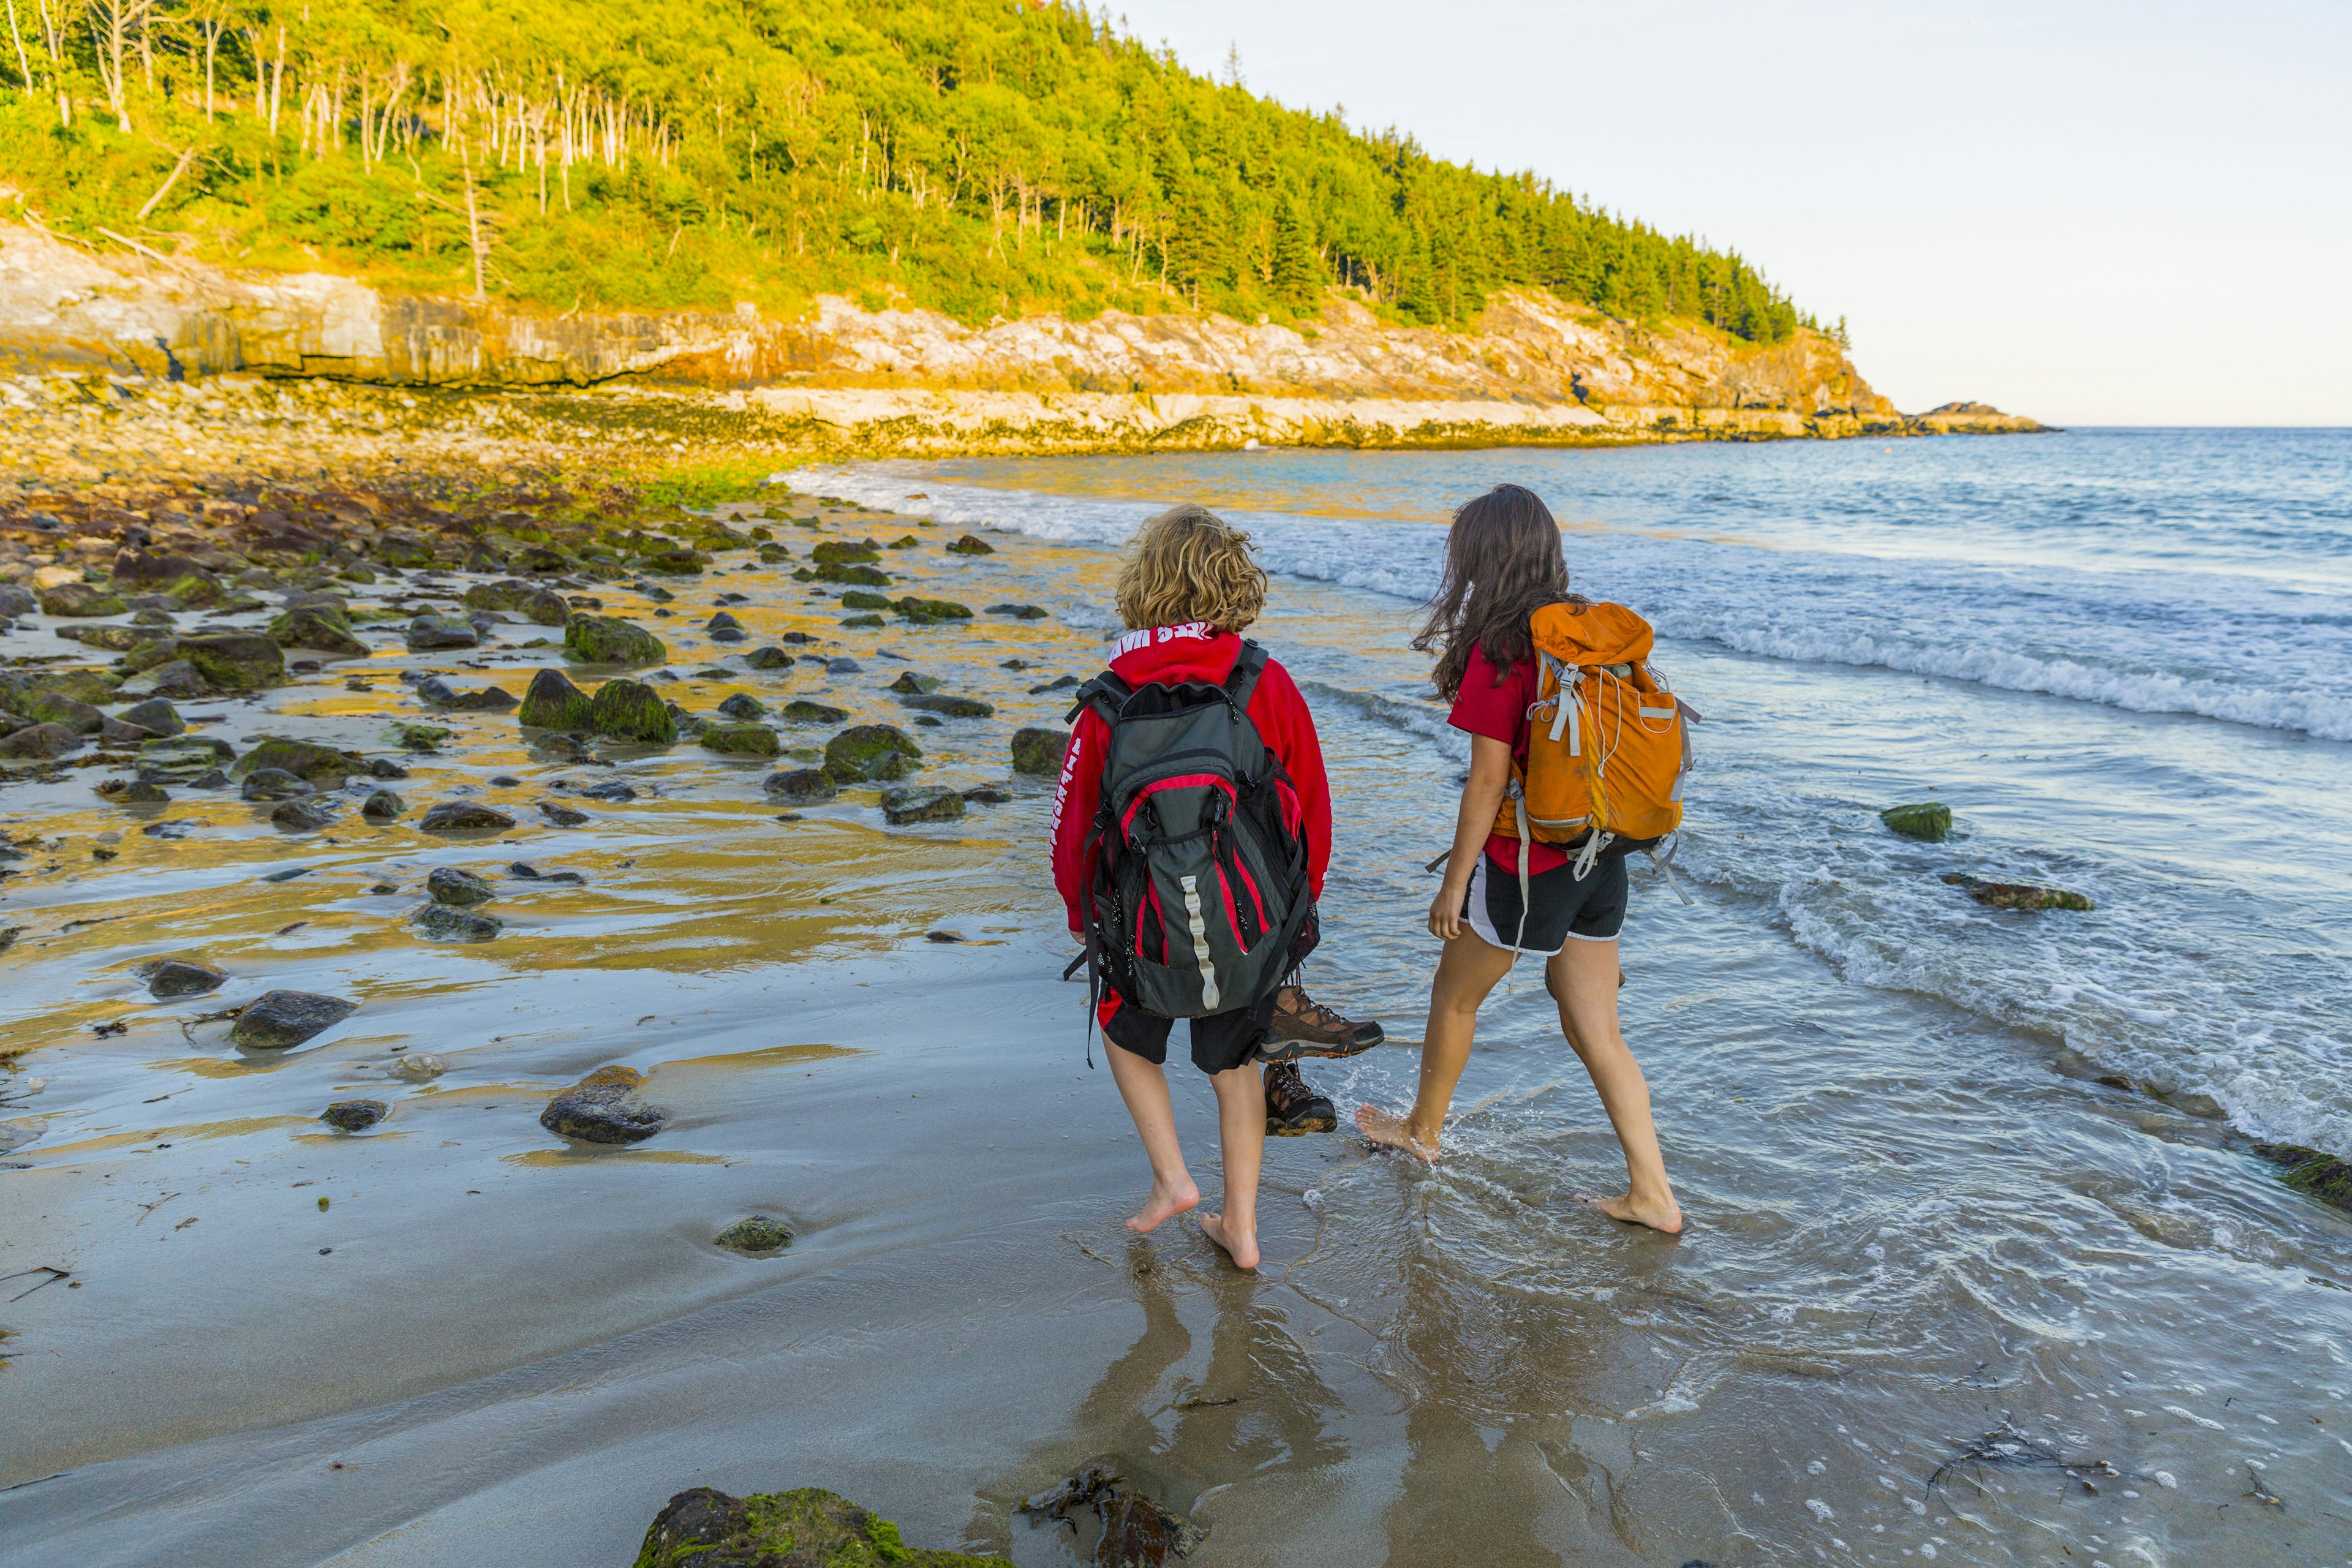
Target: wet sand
(1909,1229)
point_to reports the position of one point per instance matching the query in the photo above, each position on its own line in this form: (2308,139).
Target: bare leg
(1466,971)
(1241,1123)
(1144,1086)
(1582,978)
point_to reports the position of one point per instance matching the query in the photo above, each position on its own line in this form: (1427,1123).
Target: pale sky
(2094,214)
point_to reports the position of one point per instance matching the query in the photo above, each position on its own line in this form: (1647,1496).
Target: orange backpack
(1609,746)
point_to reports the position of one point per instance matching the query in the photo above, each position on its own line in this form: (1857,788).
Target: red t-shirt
(1499,713)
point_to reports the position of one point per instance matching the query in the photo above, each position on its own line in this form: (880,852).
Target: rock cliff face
(1536,369)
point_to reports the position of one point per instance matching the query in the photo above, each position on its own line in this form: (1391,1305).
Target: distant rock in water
(605,1108)
(1973,419)
(281,1020)
(707,1528)
(303,816)
(799,786)
(920,803)
(463,817)
(448,885)
(169,977)
(273,784)
(2017,895)
(755,1236)
(972,545)
(604,639)
(354,1115)
(632,710)
(443,923)
(552,702)
(1929,822)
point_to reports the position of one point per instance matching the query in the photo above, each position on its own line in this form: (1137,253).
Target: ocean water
(2122,657)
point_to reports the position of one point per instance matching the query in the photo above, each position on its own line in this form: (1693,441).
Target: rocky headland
(181,356)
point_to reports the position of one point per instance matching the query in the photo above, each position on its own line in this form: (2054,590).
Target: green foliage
(974,156)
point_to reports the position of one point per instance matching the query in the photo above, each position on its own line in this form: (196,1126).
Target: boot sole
(1312,1122)
(1275,1052)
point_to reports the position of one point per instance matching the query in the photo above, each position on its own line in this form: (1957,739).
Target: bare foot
(1163,1202)
(1389,1129)
(1665,1217)
(1241,1248)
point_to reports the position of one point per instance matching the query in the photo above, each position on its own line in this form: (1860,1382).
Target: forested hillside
(977,156)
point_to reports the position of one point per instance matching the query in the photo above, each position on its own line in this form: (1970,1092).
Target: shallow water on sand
(1916,1217)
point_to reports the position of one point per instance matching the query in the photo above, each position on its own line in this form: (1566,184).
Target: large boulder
(607,639)
(281,1020)
(632,710)
(40,742)
(707,1528)
(1038,751)
(605,1108)
(81,600)
(235,661)
(865,753)
(552,702)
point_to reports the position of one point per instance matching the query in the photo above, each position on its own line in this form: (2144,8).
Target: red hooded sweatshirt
(1193,651)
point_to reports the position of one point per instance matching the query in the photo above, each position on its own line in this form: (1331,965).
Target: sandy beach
(1945,1294)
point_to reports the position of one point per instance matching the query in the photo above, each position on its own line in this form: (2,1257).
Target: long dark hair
(1503,564)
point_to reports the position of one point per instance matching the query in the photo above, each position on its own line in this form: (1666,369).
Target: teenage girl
(1503,563)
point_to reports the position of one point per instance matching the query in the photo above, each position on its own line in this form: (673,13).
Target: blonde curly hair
(1189,564)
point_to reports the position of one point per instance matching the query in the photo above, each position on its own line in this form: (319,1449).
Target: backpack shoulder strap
(1105,693)
(1242,682)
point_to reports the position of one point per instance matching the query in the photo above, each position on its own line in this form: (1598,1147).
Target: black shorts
(1221,1042)
(1560,910)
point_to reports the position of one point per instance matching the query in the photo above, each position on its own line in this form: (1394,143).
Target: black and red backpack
(1198,895)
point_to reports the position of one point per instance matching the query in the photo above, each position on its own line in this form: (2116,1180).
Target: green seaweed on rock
(806,1528)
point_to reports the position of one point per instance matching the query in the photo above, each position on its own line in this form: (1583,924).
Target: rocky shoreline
(146,353)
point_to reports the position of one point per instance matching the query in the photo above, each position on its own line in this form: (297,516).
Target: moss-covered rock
(236,661)
(920,803)
(947,706)
(607,639)
(808,1528)
(844,553)
(799,786)
(317,626)
(354,1115)
(861,753)
(755,1236)
(458,888)
(930,610)
(321,767)
(968,545)
(677,562)
(802,712)
(420,738)
(542,606)
(1038,751)
(41,743)
(864,576)
(632,710)
(2017,895)
(281,1020)
(81,600)
(740,740)
(766,659)
(429,634)
(57,708)
(552,702)
(1930,822)
(107,637)
(864,599)
(2324,1176)
(439,923)
(464,816)
(604,1107)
